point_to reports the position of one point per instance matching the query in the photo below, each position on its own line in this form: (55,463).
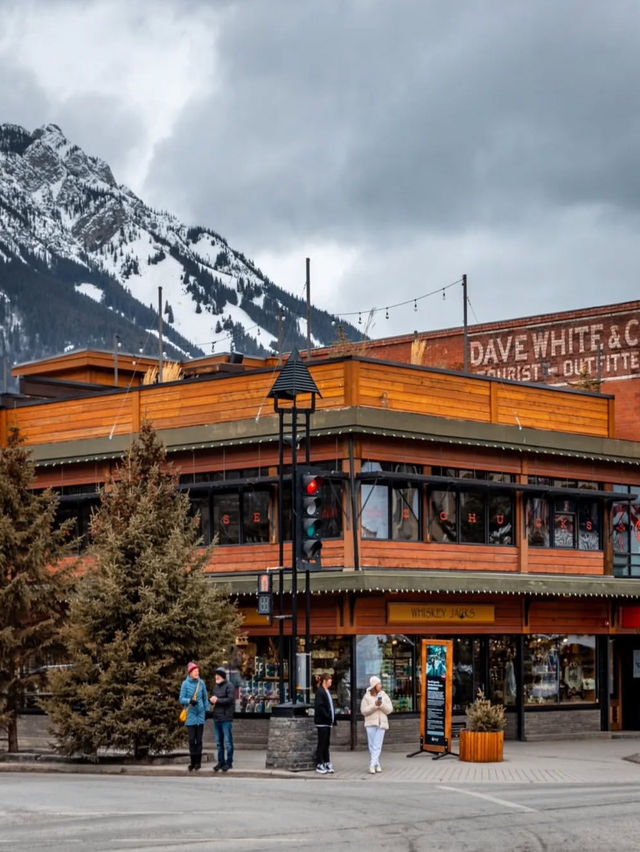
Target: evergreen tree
(34,586)
(142,610)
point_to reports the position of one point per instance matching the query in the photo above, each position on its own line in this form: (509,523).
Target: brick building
(593,348)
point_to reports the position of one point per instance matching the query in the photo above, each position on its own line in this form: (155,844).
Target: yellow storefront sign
(251,618)
(435,613)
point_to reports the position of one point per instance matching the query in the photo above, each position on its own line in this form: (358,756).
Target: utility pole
(308,308)
(116,343)
(466,326)
(160,353)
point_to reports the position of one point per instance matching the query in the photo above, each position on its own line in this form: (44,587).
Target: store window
(625,526)
(391,658)
(390,509)
(332,655)
(233,505)
(200,508)
(560,669)
(502,670)
(468,514)
(79,510)
(573,524)
(254,674)
(466,671)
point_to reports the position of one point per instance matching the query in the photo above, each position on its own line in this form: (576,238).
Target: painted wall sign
(562,350)
(419,613)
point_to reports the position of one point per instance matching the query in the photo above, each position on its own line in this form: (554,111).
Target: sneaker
(378,768)
(226,767)
(329,768)
(217,767)
(321,769)
(372,769)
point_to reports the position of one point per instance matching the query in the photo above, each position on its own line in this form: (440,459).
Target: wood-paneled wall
(221,399)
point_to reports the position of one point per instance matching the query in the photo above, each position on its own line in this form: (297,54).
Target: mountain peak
(51,135)
(104,253)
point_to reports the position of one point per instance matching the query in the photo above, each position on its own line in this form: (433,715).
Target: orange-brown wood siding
(458,557)
(574,615)
(244,396)
(555,561)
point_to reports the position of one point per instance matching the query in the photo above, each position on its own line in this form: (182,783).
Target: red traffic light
(311,484)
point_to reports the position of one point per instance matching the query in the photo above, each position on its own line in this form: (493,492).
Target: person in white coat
(375,707)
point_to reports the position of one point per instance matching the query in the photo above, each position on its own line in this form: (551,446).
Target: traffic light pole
(293,381)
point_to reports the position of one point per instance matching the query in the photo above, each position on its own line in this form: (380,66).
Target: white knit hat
(374,680)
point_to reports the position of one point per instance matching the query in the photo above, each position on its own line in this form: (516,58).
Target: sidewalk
(589,761)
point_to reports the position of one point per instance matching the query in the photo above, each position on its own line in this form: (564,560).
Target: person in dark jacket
(193,695)
(223,701)
(324,717)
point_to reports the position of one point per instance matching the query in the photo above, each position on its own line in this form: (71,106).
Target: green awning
(443,583)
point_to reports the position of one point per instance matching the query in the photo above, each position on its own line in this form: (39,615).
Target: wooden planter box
(481,746)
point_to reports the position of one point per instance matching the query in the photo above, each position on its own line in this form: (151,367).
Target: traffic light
(309,517)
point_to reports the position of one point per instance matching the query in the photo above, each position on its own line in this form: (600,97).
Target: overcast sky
(397,143)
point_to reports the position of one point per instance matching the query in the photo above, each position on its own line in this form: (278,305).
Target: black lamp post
(294,426)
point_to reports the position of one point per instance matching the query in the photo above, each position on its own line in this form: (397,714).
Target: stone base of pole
(292,738)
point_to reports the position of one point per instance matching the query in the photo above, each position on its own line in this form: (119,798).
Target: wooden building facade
(502,515)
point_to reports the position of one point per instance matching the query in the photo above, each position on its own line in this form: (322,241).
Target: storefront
(546,653)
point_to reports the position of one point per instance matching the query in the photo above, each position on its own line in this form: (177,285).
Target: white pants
(375,737)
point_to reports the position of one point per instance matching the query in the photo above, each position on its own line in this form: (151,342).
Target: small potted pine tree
(483,739)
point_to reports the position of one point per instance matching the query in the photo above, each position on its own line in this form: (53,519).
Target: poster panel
(436,700)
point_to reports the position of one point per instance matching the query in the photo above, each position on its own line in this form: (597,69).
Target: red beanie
(191,667)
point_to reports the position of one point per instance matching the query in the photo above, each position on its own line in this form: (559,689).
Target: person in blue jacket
(193,695)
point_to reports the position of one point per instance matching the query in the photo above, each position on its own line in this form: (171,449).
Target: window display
(466,668)
(332,655)
(390,657)
(253,671)
(560,669)
(502,670)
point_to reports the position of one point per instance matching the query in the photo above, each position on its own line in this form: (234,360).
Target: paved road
(568,796)
(97,812)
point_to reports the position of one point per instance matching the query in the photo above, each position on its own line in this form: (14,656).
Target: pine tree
(143,609)
(34,586)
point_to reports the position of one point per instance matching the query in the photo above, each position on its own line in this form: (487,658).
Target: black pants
(195,743)
(324,738)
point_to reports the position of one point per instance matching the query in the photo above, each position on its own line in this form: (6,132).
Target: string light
(414,299)
(370,313)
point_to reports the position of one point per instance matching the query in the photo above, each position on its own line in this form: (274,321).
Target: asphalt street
(97,812)
(575,795)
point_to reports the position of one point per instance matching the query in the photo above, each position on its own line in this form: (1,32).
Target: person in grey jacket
(223,701)
(193,696)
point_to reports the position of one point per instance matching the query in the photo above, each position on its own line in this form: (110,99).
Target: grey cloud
(391,118)
(102,126)
(21,99)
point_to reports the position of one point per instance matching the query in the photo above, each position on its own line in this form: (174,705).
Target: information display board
(436,700)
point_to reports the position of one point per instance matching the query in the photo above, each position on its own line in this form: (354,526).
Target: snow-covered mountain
(82,258)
